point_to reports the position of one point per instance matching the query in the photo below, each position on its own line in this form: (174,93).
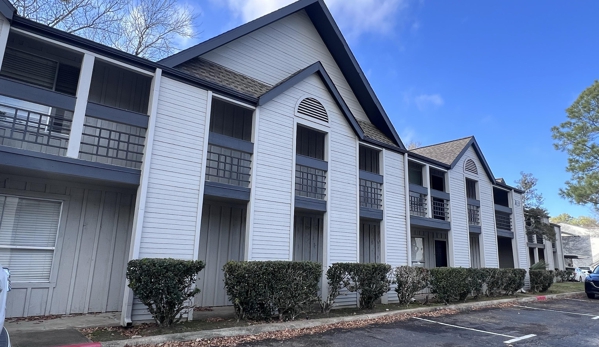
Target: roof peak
(445,142)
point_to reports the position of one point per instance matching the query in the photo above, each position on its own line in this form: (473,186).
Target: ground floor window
(28,230)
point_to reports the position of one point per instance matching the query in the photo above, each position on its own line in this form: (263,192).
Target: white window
(28,229)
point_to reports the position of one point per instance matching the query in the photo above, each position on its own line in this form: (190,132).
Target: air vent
(313,108)
(470,166)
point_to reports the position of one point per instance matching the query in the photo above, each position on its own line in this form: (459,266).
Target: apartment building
(263,143)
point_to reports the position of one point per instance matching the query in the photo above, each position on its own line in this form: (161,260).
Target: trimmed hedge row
(260,290)
(456,284)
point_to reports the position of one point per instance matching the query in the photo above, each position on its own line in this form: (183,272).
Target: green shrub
(541,280)
(261,289)
(335,276)
(370,281)
(513,280)
(450,284)
(476,281)
(164,286)
(410,280)
(563,275)
(504,281)
(540,265)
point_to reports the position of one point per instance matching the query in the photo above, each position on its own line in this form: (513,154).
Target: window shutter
(470,166)
(29,68)
(313,108)
(28,230)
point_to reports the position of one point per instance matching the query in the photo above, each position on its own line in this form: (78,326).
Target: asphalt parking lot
(564,322)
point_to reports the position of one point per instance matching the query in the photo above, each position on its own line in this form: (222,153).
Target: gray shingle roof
(374,133)
(445,152)
(219,74)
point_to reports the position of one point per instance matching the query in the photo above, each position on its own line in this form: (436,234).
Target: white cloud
(355,17)
(426,101)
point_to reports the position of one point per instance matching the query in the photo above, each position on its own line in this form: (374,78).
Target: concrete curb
(256,329)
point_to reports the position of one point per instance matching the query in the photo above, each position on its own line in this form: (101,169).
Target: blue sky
(504,71)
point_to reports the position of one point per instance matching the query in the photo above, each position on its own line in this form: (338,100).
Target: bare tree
(151,29)
(413,145)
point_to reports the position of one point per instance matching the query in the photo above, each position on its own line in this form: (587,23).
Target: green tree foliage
(535,215)
(582,221)
(578,136)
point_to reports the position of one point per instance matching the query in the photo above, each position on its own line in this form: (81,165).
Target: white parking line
(546,309)
(512,338)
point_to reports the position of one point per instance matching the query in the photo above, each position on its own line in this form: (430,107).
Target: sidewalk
(57,331)
(63,331)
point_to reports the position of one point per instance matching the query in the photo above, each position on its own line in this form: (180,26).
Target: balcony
(474,225)
(440,209)
(503,223)
(535,240)
(228,166)
(34,127)
(49,122)
(473,215)
(433,214)
(310,182)
(418,204)
(371,195)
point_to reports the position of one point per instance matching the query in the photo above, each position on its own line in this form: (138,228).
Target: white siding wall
(487,209)
(170,218)
(394,209)
(459,236)
(274,190)
(280,49)
(521,249)
(272,181)
(169,225)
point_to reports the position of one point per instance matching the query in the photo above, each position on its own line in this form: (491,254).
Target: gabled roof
(331,35)
(450,153)
(7,9)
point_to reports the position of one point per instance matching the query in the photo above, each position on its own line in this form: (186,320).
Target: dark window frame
(370,159)
(310,142)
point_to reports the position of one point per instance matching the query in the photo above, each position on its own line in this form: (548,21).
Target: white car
(580,273)
(4,289)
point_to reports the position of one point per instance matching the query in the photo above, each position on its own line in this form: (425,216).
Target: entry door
(440,253)
(222,238)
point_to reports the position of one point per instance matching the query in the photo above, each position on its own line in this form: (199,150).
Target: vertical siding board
(67,255)
(102,261)
(87,226)
(222,239)
(86,244)
(121,247)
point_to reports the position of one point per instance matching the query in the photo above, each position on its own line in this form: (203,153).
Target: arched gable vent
(470,166)
(313,108)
